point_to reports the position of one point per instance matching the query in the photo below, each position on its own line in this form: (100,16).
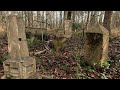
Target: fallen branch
(47,47)
(36,53)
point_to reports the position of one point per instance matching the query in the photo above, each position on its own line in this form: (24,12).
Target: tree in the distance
(107,20)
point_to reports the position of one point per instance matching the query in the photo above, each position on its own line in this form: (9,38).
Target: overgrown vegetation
(105,64)
(58,45)
(76,26)
(67,60)
(33,41)
(3,58)
(62,66)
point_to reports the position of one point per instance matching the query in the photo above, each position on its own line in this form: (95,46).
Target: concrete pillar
(19,65)
(96,45)
(67,28)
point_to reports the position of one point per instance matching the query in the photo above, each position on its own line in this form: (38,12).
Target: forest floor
(69,62)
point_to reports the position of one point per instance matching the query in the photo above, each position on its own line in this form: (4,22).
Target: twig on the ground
(36,53)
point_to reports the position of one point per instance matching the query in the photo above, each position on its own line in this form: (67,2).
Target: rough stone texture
(96,45)
(68,28)
(19,68)
(19,65)
(2,30)
(17,45)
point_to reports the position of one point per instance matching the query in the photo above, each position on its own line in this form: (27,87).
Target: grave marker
(19,65)
(96,45)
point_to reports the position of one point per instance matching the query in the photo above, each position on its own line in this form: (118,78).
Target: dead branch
(40,52)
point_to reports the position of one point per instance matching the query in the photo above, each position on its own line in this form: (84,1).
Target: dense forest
(60,44)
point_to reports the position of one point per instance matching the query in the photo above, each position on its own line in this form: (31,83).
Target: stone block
(96,45)
(20,68)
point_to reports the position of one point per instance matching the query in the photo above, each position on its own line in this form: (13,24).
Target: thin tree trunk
(39,18)
(1,16)
(87,23)
(93,18)
(65,15)
(42,19)
(73,20)
(60,24)
(30,19)
(56,20)
(107,20)
(53,19)
(101,18)
(26,18)
(46,19)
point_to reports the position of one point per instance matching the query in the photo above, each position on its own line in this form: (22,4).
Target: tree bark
(65,15)
(107,20)
(30,19)
(93,18)
(101,17)
(39,18)
(26,18)
(87,23)
(60,24)
(56,19)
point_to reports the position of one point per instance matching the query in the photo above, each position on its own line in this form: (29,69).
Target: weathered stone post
(19,65)
(96,45)
(68,28)
(68,25)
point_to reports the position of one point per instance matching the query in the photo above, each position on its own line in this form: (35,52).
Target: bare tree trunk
(26,18)
(73,19)
(60,24)
(46,19)
(115,22)
(107,20)
(38,15)
(22,14)
(42,19)
(13,12)
(65,15)
(81,15)
(87,23)
(69,15)
(1,16)
(56,19)
(93,18)
(39,18)
(30,19)
(50,19)
(101,17)
(53,19)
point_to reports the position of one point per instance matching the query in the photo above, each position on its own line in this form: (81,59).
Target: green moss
(116,53)
(77,26)
(80,59)
(58,44)
(91,69)
(4,57)
(105,64)
(33,41)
